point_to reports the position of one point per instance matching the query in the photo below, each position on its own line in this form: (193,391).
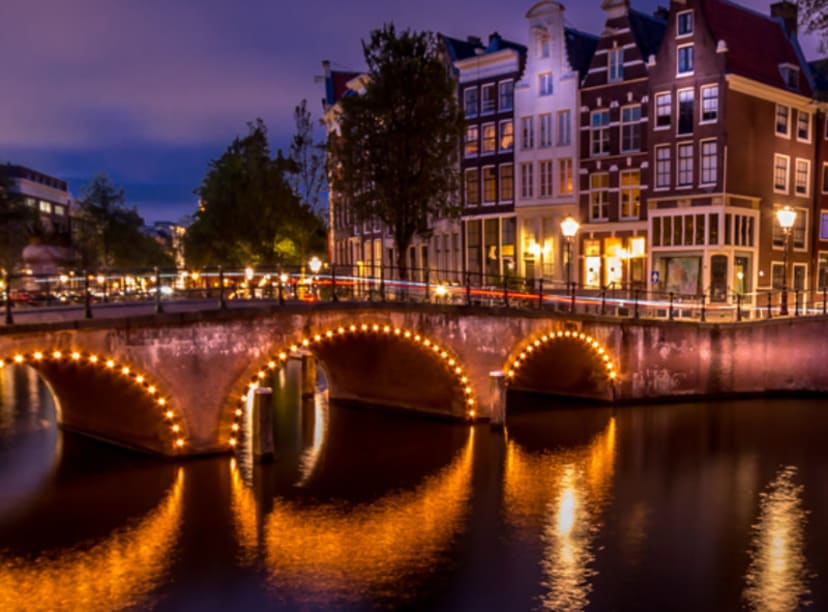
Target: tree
(397,158)
(248,212)
(308,177)
(813,14)
(17,223)
(110,234)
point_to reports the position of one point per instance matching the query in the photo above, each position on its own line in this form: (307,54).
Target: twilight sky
(148,91)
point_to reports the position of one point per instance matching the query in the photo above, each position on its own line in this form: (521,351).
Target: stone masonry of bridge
(172,383)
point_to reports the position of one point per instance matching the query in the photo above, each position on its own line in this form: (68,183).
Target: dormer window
(684,24)
(790,74)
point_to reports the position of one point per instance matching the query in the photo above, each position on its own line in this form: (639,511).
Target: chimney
(474,40)
(615,8)
(494,41)
(661,12)
(787,12)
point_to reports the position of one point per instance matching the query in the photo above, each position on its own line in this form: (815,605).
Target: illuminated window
(565,176)
(489,185)
(489,138)
(598,196)
(472,141)
(507,182)
(630,194)
(507,135)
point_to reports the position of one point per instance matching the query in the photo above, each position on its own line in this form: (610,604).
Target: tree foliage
(813,14)
(18,222)
(110,233)
(397,158)
(248,213)
(308,176)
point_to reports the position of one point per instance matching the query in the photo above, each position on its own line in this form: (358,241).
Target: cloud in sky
(148,90)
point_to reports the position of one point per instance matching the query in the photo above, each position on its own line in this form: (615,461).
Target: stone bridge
(177,383)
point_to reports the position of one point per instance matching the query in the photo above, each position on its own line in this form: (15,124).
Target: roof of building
(647,30)
(580,47)
(757,44)
(22,172)
(474,47)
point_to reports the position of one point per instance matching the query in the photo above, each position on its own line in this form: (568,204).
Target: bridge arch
(585,367)
(155,425)
(317,342)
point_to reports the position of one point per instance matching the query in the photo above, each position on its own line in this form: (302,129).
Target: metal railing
(89,292)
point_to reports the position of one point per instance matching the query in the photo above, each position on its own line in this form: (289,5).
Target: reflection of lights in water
(310,458)
(243,506)
(562,492)
(777,578)
(116,573)
(332,550)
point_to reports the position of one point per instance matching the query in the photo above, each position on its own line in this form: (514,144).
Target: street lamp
(569,227)
(315,264)
(786,217)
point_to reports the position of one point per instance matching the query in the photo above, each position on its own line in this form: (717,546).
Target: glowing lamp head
(315,264)
(441,290)
(569,227)
(786,217)
(248,273)
(283,278)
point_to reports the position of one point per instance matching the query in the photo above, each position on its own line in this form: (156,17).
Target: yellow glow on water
(562,493)
(343,550)
(777,578)
(243,506)
(113,574)
(310,458)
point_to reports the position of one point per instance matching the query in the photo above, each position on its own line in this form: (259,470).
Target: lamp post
(315,265)
(786,217)
(569,227)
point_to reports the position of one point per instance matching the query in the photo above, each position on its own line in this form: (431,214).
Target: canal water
(697,506)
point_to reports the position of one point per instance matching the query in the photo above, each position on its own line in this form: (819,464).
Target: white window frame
(622,188)
(466,92)
(807,165)
(692,93)
(500,86)
(680,14)
(483,127)
(632,124)
(824,178)
(787,160)
(787,132)
(669,162)
(476,129)
(565,171)
(703,89)
(500,170)
(615,65)
(799,115)
(466,174)
(669,106)
(688,159)
(545,136)
(527,180)
(546,177)
(690,72)
(546,85)
(603,131)
(527,133)
(604,202)
(500,126)
(564,120)
(493,88)
(702,156)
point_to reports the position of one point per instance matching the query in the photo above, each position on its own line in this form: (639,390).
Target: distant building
(486,78)
(51,247)
(171,236)
(547,104)
(614,167)
(731,141)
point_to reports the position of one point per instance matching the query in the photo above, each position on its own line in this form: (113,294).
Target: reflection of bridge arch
(112,574)
(331,549)
(424,346)
(563,362)
(151,423)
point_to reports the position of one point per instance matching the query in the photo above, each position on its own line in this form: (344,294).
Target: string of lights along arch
(279,359)
(596,347)
(117,369)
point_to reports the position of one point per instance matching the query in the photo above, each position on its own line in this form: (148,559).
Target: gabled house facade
(486,78)
(732,138)
(546,153)
(615,172)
